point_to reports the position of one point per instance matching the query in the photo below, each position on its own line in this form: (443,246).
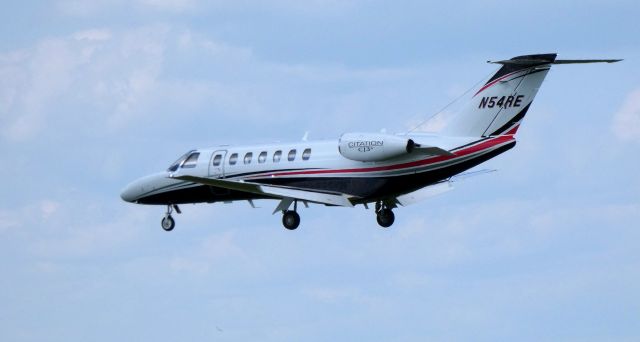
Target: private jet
(359,168)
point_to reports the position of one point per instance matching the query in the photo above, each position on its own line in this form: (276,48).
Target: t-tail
(499,106)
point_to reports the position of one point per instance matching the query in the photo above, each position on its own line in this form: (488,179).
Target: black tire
(385,218)
(290,220)
(168,223)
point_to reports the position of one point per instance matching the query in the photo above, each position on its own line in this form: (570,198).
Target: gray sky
(96,94)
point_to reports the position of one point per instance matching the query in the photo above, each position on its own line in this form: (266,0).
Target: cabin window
(276,156)
(247,158)
(233,159)
(217,159)
(191,161)
(306,154)
(292,155)
(262,157)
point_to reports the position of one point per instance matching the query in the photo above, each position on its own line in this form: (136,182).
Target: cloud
(31,80)
(96,7)
(213,251)
(75,225)
(93,35)
(159,78)
(310,8)
(333,295)
(79,7)
(87,67)
(434,124)
(48,208)
(8,221)
(27,218)
(626,121)
(169,5)
(85,238)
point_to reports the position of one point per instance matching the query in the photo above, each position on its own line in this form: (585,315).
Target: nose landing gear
(168,223)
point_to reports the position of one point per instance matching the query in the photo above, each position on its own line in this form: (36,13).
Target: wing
(282,192)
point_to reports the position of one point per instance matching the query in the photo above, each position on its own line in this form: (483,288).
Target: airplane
(385,170)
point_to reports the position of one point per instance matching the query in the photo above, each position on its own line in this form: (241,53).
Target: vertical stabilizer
(499,106)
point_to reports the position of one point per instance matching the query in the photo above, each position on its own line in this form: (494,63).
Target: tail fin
(499,105)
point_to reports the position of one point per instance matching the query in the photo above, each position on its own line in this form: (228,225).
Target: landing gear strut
(384,215)
(168,223)
(290,218)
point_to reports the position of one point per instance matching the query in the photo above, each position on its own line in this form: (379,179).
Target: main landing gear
(384,215)
(168,223)
(290,218)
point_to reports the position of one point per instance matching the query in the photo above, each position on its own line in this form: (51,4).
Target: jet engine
(371,147)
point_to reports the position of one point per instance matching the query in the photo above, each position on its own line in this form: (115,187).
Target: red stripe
(471,149)
(513,130)
(495,81)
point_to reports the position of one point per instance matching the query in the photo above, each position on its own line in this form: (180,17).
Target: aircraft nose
(132,192)
(139,188)
(127,194)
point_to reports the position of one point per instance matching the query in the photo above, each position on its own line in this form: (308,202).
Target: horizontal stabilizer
(273,191)
(583,61)
(533,62)
(438,188)
(465,175)
(421,194)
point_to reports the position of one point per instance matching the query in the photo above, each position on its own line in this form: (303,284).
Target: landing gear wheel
(385,218)
(290,220)
(168,223)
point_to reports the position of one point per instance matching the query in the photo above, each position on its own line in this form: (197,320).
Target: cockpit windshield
(176,164)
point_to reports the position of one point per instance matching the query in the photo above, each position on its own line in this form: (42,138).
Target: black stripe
(245,174)
(511,122)
(175,186)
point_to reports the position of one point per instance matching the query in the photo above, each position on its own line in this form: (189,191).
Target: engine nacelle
(370,147)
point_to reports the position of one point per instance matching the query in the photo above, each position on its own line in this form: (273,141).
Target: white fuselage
(316,165)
